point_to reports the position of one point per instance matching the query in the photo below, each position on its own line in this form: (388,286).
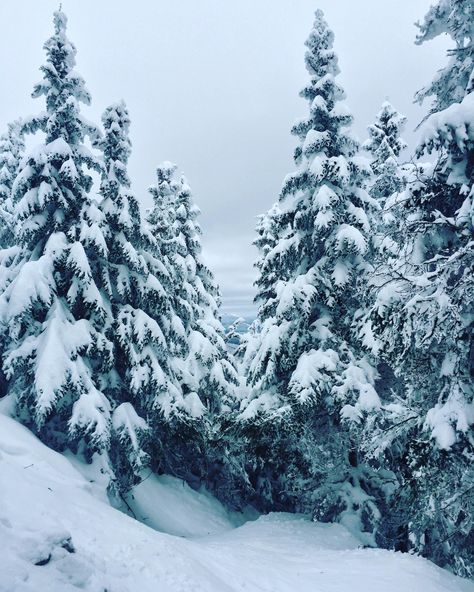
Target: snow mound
(58,535)
(169,505)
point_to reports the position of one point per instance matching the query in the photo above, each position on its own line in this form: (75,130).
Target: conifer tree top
(320,58)
(321,62)
(62,86)
(384,140)
(388,125)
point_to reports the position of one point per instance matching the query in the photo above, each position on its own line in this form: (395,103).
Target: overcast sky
(213,86)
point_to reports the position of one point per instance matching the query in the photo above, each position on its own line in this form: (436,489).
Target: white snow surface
(58,535)
(168,504)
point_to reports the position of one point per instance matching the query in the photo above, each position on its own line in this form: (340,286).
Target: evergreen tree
(208,360)
(267,229)
(423,324)
(53,313)
(11,151)
(389,178)
(140,381)
(308,374)
(385,145)
(206,378)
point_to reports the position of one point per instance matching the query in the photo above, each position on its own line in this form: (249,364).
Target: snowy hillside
(58,535)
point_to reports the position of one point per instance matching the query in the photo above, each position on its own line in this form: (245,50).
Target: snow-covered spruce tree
(53,313)
(268,229)
(267,237)
(308,371)
(423,322)
(140,381)
(385,145)
(205,375)
(12,147)
(389,178)
(11,151)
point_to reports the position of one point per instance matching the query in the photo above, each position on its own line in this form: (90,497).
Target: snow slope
(58,535)
(169,505)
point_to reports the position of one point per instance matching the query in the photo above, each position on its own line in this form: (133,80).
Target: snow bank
(56,535)
(169,505)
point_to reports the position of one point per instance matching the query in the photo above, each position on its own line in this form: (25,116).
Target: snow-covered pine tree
(12,147)
(389,178)
(52,313)
(423,322)
(385,145)
(11,150)
(208,361)
(267,229)
(140,381)
(308,370)
(205,374)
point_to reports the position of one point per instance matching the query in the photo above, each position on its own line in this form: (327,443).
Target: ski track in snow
(48,508)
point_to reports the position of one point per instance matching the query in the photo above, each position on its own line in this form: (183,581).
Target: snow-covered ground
(169,505)
(58,534)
